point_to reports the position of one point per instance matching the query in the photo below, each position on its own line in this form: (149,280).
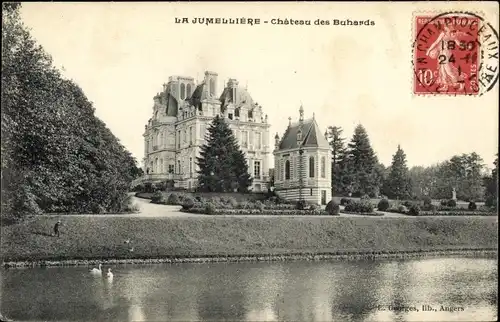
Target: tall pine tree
(361,165)
(334,135)
(223,167)
(397,185)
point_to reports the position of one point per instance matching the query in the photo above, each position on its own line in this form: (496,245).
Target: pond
(436,289)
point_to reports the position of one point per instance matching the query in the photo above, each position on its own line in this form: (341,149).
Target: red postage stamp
(446,54)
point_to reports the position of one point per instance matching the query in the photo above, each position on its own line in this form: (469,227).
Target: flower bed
(362,213)
(456,213)
(287,212)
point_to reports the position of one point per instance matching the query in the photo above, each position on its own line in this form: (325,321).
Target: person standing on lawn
(56,228)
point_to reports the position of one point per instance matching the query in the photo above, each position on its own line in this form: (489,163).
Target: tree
(361,165)
(222,164)
(397,185)
(48,163)
(334,135)
(491,186)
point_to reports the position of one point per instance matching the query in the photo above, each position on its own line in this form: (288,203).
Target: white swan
(109,274)
(96,270)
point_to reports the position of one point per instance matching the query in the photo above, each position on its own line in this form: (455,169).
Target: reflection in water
(310,291)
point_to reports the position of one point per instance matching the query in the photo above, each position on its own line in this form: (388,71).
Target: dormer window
(250,114)
(230,116)
(299,135)
(237,112)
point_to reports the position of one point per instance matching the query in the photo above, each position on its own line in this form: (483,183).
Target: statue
(453,194)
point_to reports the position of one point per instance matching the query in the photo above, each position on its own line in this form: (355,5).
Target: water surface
(291,291)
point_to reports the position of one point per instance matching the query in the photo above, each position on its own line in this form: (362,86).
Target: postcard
(251,161)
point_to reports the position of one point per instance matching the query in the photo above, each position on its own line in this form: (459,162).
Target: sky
(120,54)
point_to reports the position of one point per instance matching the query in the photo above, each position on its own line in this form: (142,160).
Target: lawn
(102,237)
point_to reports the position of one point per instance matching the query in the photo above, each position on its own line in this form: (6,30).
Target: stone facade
(302,163)
(182,113)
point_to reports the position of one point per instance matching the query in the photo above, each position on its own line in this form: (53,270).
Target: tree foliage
(334,135)
(397,185)
(57,156)
(362,174)
(222,164)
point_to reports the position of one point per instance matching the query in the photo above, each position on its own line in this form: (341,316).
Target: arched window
(212,86)
(237,112)
(183,91)
(161,139)
(311,167)
(323,167)
(160,169)
(287,170)
(188,89)
(250,114)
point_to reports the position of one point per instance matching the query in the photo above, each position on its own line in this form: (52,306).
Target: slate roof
(312,136)
(172,105)
(243,98)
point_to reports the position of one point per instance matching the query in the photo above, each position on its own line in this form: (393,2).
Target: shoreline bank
(340,255)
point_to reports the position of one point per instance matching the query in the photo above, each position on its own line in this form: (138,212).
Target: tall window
(311,167)
(237,112)
(258,140)
(202,130)
(160,143)
(170,168)
(212,86)
(183,91)
(244,139)
(179,166)
(185,136)
(256,169)
(287,170)
(323,167)
(251,139)
(179,139)
(160,169)
(190,165)
(188,87)
(191,134)
(250,114)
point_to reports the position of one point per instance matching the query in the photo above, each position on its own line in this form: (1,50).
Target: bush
(472,206)
(332,208)
(365,197)
(173,199)
(345,201)
(259,205)
(158,197)
(429,207)
(359,207)
(414,210)
(451,203)
(383,205)
(301,205)
(427,200)
(402,209)
(407,203)
(187,203)
(210,208)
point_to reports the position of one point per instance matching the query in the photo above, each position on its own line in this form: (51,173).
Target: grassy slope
(102,237)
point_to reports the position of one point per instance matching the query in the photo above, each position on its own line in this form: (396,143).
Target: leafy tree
(361,165)
(397,185)
(491,186)
(56,155)
(223,167)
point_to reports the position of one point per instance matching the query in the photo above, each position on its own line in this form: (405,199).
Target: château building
(182,113)
(302,163)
